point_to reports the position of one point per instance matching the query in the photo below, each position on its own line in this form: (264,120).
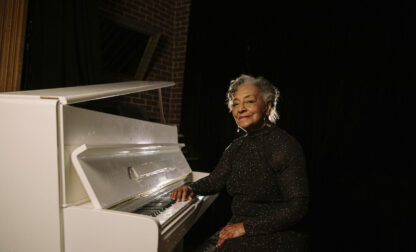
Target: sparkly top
(264,172)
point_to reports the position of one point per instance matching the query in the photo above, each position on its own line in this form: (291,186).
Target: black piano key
(157,204)
(145,212)
(160,204)
(165,200)
(154,208)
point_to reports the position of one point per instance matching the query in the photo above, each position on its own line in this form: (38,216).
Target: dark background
(346,76)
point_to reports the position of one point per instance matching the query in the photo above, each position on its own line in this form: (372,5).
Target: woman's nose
(241,108)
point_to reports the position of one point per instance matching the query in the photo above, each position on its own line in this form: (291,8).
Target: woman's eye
(251,101)
(234,104)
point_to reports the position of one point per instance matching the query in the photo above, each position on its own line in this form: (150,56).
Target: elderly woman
(263,171)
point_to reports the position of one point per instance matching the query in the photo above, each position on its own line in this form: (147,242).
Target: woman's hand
(182,193)
(231,231)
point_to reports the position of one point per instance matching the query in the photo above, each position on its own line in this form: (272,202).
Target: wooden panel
(12,38)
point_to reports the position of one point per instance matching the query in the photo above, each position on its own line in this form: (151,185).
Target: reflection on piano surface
(96,181)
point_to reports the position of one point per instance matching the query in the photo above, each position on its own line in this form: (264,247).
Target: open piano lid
(71,95)
(114,174)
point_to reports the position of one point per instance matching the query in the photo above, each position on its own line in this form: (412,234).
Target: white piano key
(171,211)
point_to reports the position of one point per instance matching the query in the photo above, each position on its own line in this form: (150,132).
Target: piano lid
(117,173)
(70,95)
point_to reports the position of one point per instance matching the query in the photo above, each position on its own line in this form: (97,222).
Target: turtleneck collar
(260,131)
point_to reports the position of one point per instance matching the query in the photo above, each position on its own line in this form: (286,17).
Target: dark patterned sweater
(264,173)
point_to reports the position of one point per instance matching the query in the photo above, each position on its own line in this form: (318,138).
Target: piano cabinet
(72,178)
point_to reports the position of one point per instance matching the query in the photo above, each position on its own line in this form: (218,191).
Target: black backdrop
(346,79)
(62,46)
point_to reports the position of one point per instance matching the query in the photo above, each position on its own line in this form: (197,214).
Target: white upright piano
(75,179)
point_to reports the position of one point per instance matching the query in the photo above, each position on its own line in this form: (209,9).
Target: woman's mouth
(242,117)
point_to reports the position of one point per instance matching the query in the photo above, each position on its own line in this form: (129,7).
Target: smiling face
(249,108)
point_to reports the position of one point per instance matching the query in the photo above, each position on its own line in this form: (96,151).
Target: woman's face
(249,108)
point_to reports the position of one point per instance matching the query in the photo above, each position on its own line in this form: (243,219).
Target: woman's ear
(268,108)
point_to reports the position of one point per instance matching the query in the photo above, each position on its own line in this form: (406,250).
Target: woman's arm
(216,180)
(210,184)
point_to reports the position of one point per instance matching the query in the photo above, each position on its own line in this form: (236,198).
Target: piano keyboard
(164,209)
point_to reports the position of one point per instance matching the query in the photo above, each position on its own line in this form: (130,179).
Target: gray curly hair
(269,91)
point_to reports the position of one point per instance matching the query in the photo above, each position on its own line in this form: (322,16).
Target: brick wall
(171,17)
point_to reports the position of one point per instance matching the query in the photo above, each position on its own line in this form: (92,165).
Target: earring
(238,129)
